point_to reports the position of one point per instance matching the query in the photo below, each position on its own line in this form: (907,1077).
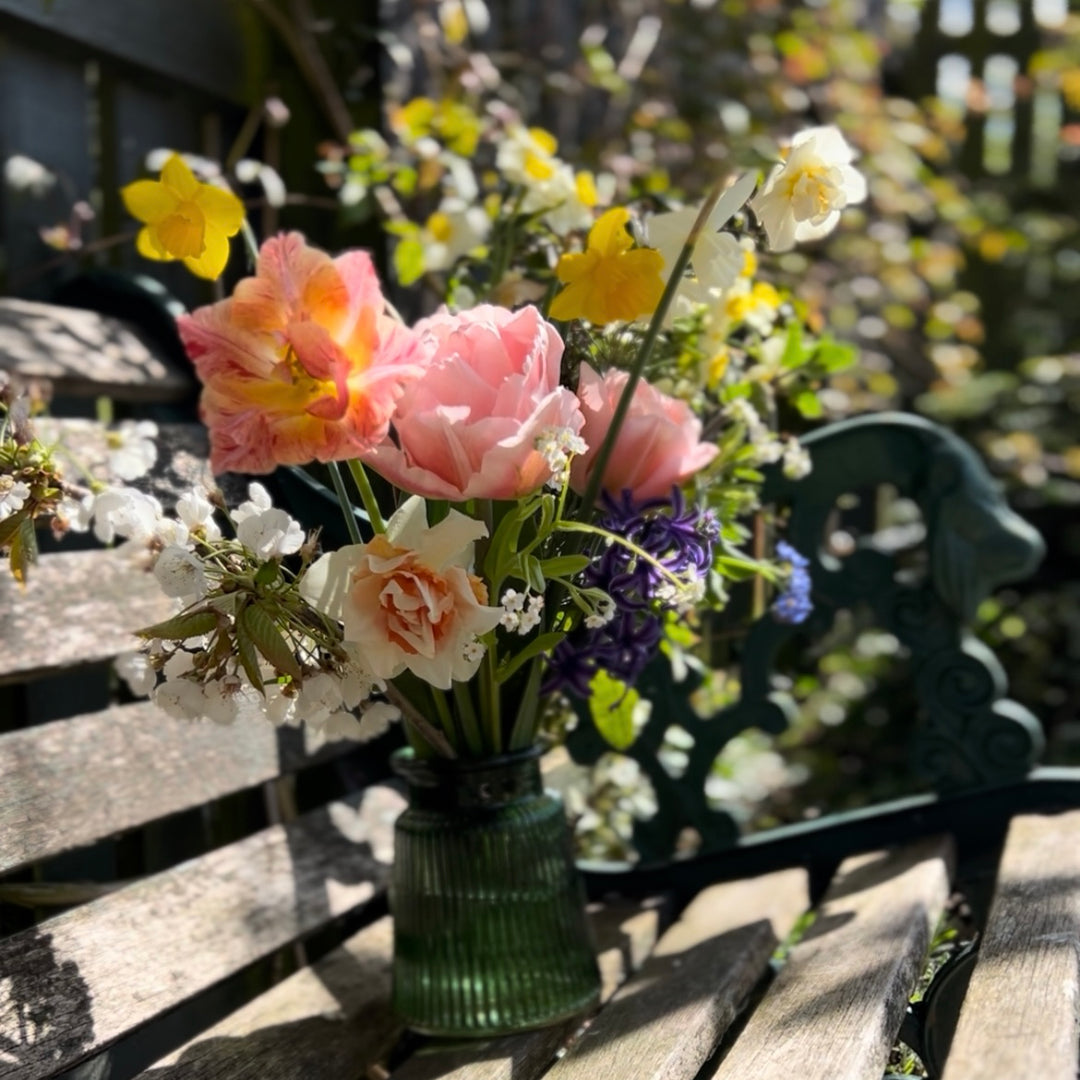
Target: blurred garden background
(957,282)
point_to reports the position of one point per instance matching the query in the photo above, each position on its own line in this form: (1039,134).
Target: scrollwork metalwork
(970,734)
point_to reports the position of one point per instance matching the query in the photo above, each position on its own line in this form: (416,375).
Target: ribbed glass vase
(490,934)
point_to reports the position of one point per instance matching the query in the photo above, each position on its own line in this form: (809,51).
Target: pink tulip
(658,446)
(301,363)
(469,426)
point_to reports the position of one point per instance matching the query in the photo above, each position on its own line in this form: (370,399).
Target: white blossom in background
(136,670)
(203,167)
(797,462)
(802,198)
(568,199)
(76,513)
(132,449)
(125,512)
(13,495)
(180,573)
(22,173)
(270,534)
(454,230)
(250,171)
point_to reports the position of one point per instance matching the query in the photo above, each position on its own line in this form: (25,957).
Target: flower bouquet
(533,506)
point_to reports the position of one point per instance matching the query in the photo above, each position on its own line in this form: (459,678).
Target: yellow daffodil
(609,281)
(184,219)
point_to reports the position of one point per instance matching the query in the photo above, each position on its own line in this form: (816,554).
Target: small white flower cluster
(683,596)
(13,494)
(22,173)
(604,613)
(265,530)
(521,612)
(606,803)
(797,463)
(557,446)
(768,447)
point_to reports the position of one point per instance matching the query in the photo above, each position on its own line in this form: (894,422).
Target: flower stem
(467,715)
(344,503)
(250,243)
(592,489)
(367,495)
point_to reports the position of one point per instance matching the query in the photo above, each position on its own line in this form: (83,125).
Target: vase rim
(405,759)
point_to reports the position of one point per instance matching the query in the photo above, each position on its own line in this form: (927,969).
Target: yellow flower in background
(609,281)
(456,124)
(184,219)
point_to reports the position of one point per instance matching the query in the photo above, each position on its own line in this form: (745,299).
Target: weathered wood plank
(200,43)
(332,1019)
(71,782)
(84,354)
(78,607)
(183,453)
(84,979)
(664,1023)
(1019,1016)
(836,1005)
(625,935)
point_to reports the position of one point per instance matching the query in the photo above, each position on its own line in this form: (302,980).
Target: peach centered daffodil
(184,219)
(608,281)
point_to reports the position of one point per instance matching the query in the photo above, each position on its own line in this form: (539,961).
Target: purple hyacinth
(793,605)
(681,538)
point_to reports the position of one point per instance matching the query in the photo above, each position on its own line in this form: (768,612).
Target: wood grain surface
(71,782)
(78,982)
(328,1021)
(84,354)
(78,607)
(835,1007)
(1020,1014)
(665,1022)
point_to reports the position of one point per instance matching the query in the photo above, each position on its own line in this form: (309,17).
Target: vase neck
(441,784)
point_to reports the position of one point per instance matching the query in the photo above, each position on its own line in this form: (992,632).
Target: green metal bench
(189,901)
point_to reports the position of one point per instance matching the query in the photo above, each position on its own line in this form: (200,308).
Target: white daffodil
(567,199)
(526,156)
(717,258)
(407,598)
(802,198)
(454,230)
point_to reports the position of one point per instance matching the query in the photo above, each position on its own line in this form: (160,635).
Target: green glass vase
(490,933)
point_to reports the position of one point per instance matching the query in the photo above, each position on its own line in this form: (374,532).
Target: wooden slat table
(268,953)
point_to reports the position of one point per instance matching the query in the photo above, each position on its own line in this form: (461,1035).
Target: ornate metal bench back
(970,734)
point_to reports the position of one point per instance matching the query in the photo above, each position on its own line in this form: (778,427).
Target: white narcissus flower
(270,534)
(179,573)
(455,229)
(802,198)
(132,450)
(717,258)
(407,599)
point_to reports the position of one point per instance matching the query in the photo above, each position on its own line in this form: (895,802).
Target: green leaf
(808,404)
(409,261)
(268,640)
(564,566)
(185,625)
(613,706)
(24,549)
(10,526)
(834,356)
(795,353)
(245,649)
(267,574)
(534,574)
(539,646)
